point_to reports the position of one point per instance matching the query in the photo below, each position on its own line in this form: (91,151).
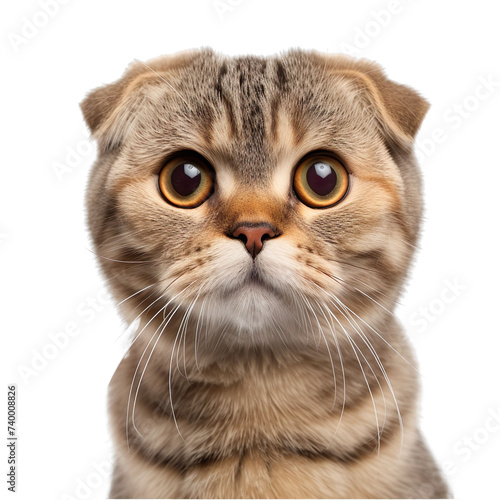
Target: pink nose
(253,236)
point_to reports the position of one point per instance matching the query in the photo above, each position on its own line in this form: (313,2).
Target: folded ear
(110,111)
(100,103)
(399,109)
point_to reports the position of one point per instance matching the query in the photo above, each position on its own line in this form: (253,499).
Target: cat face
(260,196)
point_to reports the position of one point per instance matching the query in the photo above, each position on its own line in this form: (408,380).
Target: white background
(49,278)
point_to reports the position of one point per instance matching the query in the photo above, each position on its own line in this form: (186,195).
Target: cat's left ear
(399,109)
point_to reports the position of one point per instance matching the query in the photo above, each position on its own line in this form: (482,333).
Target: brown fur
(304,386)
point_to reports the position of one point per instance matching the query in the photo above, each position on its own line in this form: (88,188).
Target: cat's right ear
(108,113)
(99,104)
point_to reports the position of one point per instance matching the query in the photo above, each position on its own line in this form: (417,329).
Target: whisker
(196,337)
(331,358)
(344,283)
(184,329)
(350,264)
(354,346)
(170,387)
(142,356)
(167,321)
(134,294)
(386,377)
(122,261)
(334,335)
(132,385)
(382,338)
(377,360)
(148,307)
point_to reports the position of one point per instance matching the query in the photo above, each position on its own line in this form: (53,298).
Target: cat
(258,217)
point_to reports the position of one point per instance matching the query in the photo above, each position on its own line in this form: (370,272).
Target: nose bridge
(253,207)
(254,217)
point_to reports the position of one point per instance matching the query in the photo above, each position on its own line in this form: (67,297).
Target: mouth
(253,281)
(253,300)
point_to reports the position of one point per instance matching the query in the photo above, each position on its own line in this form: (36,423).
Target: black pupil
(185,179)
(321,178)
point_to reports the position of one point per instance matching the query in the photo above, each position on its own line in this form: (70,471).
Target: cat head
(256,195)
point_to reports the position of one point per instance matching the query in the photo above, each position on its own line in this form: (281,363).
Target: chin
(250,314)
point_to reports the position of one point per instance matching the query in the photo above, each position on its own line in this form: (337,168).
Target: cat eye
(186,181)
(320,181)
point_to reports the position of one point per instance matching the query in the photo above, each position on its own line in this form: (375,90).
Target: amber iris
(321,181)
(186,181)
